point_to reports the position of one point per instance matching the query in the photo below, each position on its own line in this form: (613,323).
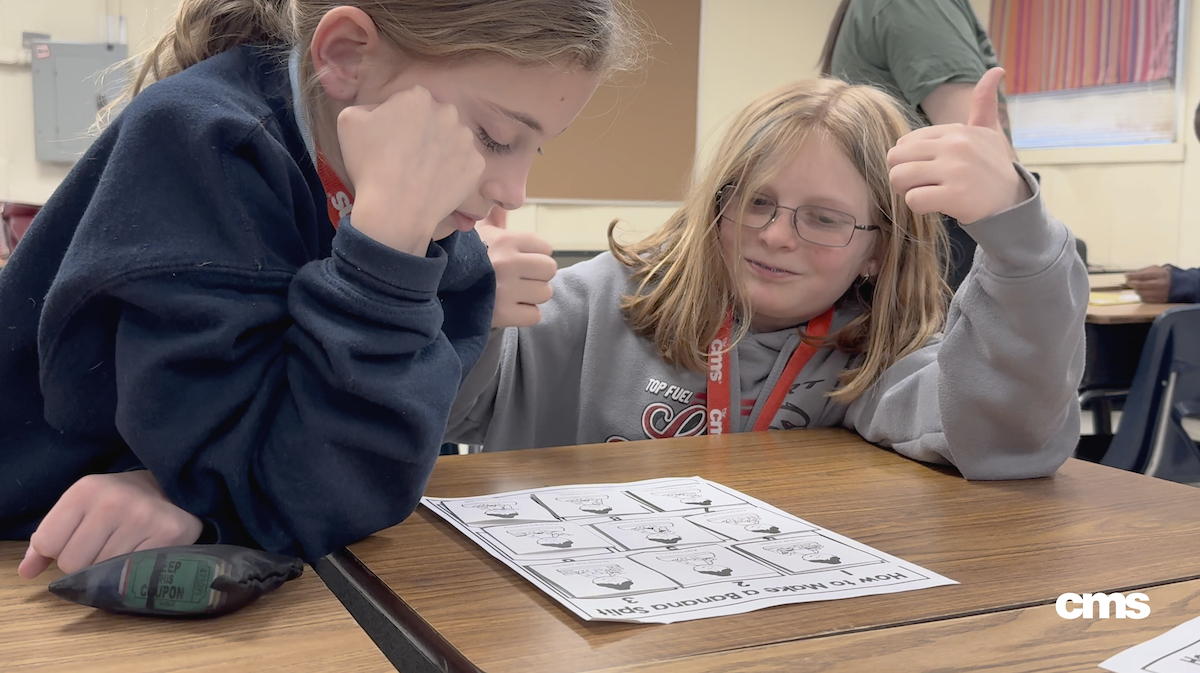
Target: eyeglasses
(817,225)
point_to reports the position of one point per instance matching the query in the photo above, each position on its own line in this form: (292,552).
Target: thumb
(985,104)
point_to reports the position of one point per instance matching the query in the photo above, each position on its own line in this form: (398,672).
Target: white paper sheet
(670,550)
(1176,651)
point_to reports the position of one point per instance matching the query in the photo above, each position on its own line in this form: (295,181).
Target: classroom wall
(22,177)
(1133,206)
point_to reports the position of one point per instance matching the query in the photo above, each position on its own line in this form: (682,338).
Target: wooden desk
(299,627)
(1029,640)
(1010,544)
(1123,314)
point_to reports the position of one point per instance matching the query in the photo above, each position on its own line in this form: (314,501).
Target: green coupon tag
(168,582)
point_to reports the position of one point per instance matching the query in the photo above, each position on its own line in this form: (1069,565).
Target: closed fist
(964,171)
(411,163)
(524,269)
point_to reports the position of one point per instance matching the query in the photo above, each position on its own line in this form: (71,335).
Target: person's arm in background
(934,56)
(1185,286)
(1166,284)
(950,103)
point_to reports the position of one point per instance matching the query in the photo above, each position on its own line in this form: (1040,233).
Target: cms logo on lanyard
(716,359)
(342,203)
(716,421)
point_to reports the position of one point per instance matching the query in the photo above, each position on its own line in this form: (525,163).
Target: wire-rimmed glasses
(815,224)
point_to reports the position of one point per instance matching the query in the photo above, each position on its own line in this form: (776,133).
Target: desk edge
(407,640)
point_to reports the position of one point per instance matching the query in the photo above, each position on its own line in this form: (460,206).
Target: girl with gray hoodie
(800,285)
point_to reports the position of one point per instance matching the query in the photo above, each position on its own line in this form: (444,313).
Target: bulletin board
(636,138)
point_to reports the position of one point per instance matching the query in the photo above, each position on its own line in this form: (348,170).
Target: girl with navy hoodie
(201,341)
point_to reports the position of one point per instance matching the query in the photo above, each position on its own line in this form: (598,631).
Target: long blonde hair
(597,36)
(685,287)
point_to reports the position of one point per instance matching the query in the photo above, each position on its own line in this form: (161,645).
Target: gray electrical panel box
(71,83)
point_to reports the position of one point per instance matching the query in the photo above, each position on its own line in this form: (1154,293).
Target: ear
(874,263)
(344,42)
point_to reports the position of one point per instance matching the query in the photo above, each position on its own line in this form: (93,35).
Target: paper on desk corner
(1176,651)
(1117,298)
(669,550)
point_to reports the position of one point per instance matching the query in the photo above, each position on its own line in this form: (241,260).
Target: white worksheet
(670,550)
(1176,651)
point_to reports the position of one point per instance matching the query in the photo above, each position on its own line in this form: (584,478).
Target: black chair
(1166,389)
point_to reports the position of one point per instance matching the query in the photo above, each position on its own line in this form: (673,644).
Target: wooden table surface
(299,627)
(1030,640)
(1121,314)
(1010,544)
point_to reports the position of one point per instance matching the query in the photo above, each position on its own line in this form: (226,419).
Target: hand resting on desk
(107,515)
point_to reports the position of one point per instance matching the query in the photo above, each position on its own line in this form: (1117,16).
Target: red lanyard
(719,421)
(338,198)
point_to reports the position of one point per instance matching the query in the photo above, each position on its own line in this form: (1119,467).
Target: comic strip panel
(536,538)
(685,496)
(570,504)
(1183,660)
(750,523)
(704,565)
(808,553)
(649,533)
(601,578)
(490,511)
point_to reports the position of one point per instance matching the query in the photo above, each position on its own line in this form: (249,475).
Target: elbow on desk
(1028,441)
(1008,462)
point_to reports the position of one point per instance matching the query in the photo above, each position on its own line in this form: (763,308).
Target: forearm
(300,427)
(997,396)
(1012,357)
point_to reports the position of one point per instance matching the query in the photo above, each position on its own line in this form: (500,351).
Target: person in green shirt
(927,53)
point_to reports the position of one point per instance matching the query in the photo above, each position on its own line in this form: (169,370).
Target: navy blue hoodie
(1185,286)
(182,303)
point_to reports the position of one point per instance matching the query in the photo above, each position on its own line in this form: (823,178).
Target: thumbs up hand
(964,171)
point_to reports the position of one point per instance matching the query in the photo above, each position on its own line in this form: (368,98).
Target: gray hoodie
(995,396)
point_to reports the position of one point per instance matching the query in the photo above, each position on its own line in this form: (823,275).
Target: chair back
(1166,388)
(15,219)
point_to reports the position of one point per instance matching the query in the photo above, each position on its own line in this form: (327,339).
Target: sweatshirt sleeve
(997,396)
(525,391)
(476,401)
(299,407)
(1185,286)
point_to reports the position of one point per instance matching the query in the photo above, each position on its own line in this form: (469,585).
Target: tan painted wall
(1134,206)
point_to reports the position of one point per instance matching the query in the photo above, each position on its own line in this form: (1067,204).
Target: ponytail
(205,28)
